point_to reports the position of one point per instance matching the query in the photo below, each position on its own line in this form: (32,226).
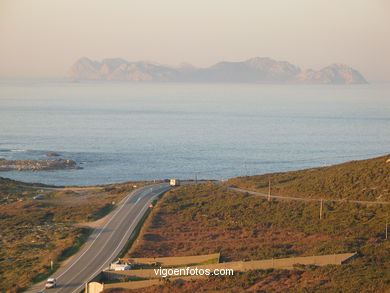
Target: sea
(121,132)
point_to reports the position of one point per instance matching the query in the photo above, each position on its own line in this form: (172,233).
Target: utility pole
(269,190)
(321,209)
(196,177)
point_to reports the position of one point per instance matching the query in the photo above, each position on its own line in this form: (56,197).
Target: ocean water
(122,131)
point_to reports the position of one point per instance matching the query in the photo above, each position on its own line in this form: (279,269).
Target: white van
(119,266)
(51,283)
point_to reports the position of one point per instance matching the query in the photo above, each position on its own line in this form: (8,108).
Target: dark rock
(37,165)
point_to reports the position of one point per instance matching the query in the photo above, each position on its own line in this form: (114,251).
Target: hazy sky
(45,37)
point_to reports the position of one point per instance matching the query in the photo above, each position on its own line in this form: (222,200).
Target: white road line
(101,231)
(103,246)
(123,201)
(141,197)
(124,237)
(109,258)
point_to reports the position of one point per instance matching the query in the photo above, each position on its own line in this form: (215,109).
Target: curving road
(104,244)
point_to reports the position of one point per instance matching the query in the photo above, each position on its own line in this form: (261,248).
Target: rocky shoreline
(37,165)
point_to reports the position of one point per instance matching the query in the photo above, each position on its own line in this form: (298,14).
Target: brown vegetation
(33,232)
(207,218)
(356,180)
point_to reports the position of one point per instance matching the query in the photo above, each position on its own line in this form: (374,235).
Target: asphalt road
(104,245)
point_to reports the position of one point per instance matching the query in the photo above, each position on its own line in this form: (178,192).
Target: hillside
(208,218)
(254,70)
(356,180)
(34,231)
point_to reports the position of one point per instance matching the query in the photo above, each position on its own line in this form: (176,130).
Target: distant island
(255,70)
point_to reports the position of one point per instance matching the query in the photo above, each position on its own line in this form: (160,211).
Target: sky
(43,38)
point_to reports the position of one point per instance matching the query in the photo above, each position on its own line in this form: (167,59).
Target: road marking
(124,200)
(101,231)
(124,237)
(109,258)
(141,197)
(103,246)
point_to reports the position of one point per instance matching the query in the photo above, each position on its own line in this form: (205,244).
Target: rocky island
(37,165)
(261,70)
(52,155)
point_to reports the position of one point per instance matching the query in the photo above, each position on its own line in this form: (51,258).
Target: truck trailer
(174,182)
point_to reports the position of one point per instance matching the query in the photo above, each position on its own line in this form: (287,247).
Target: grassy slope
(359,180)
(33,232)
(207,219)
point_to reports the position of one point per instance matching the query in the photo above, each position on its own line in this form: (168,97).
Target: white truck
(119,266)
(174,182)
